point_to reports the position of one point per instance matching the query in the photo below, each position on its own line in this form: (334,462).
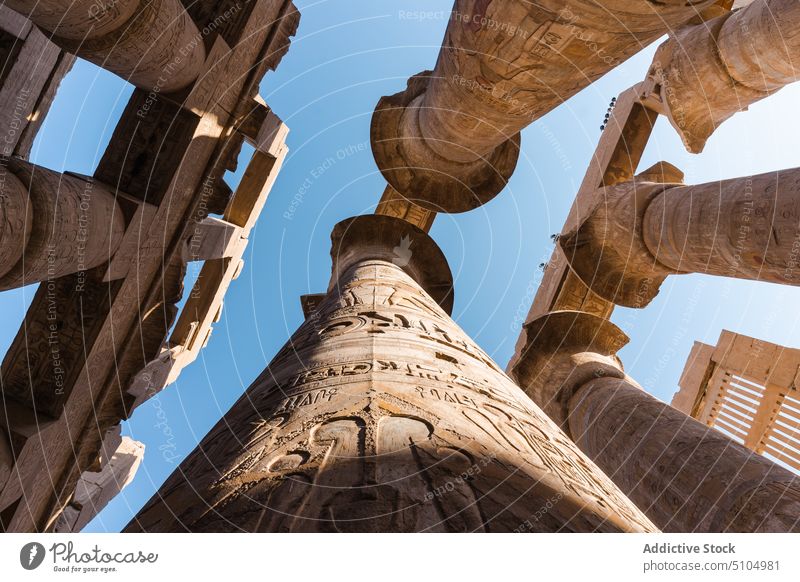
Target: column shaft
(16,221)
(450,141)
(154,44)
(380,414)
(685,476)
(504,64)
(746,227)
(54,224)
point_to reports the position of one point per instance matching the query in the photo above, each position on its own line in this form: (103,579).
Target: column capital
(608,252)
(564,350)
(708,72)
(392,240)
(413,168)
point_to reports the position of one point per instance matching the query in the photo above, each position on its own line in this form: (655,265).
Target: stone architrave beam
(95,489)
(450,141)
(685,476)
(203,308)
(154,44)
(371,414)
(641,231)
(711,71)
(54,224)
(394,204)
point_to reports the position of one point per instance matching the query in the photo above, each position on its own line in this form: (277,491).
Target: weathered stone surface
(428,180)
(310,303)
(63,65)
(147,146)
(152,43)
(681,475)
(77,19)
(747,227)
(394,204)
(225,17)
(96,489)
(54,224)
(685,476)
(380,414)
(16,221)
(6,459)
(203,307)
(450,141)
(30,70)
(120,326)
(615,160)
(711,71)
(695,374)
(41,366)
(607,250)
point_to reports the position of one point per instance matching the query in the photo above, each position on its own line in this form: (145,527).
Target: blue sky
(345,57)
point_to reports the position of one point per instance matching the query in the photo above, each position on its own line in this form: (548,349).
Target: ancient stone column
(642,231)
(53,224)
(154,44)
(685,476)
(381,414)
(711,71)
(450,141)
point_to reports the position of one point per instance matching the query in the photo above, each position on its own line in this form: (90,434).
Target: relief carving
(382,415)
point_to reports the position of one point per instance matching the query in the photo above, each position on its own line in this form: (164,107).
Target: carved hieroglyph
(380,414)
(682,475)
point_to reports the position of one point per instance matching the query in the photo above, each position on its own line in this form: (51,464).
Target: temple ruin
(380,414)
(748,389)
